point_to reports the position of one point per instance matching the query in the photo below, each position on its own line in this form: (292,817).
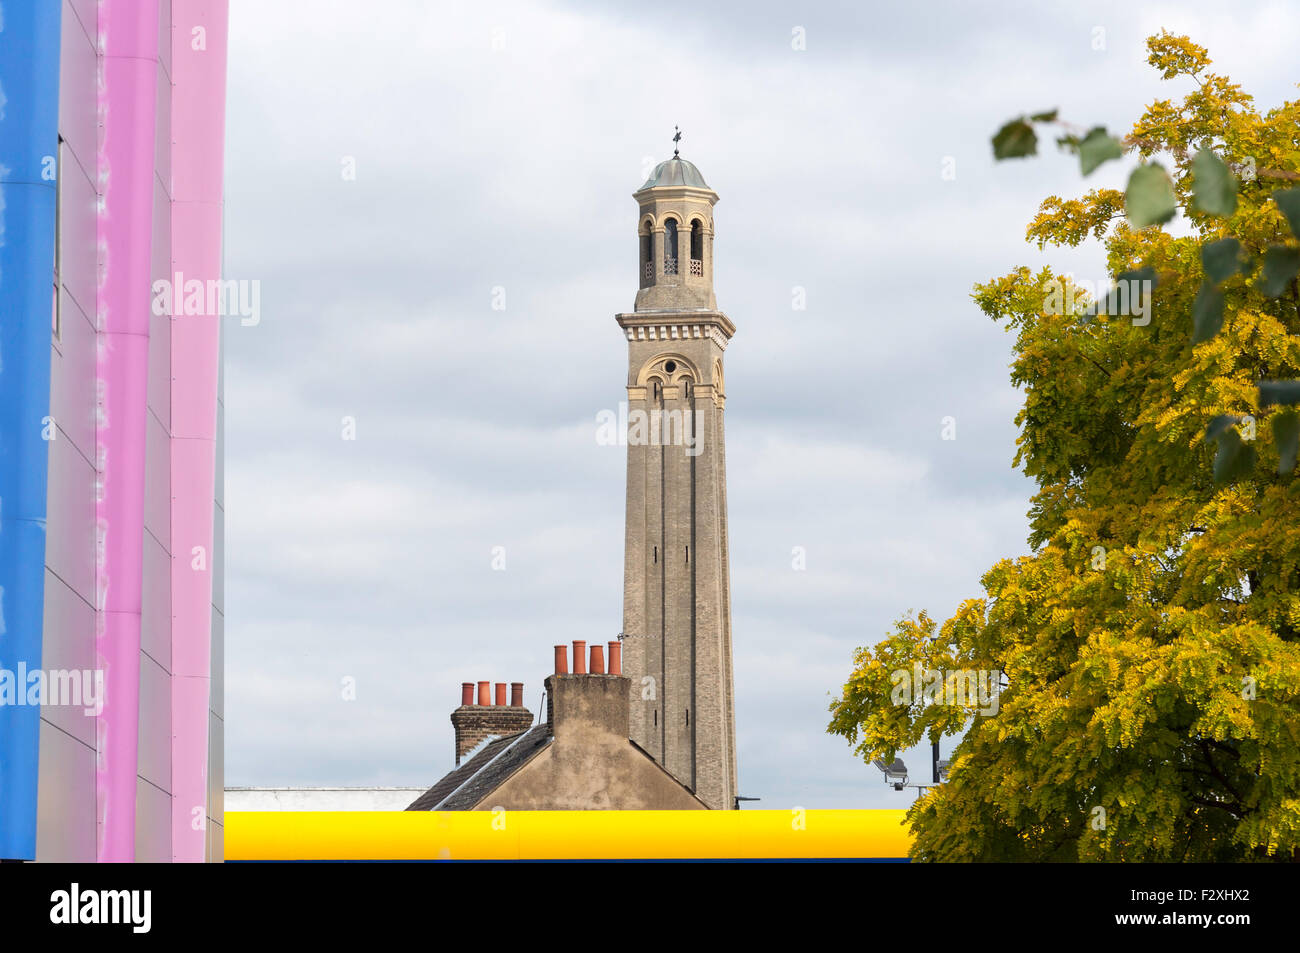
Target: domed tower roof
(675,172)
(675,234)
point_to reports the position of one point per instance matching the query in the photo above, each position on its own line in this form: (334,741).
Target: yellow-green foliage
(1150,643)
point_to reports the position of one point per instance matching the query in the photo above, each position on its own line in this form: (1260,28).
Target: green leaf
(1098,147)
(1150,197)
(1286,432)
(1235,458)
(1222,259)
(1279,392)
(1015,140)
(1049,116)
(1207,313)
(1281,265)
(1214,187)
(1288,200)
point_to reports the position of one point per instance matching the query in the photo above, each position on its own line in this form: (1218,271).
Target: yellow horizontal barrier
(565,835)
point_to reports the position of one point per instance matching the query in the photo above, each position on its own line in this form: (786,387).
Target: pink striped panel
(199,43)
(128,32)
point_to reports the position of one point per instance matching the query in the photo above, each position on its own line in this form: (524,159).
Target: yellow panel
(563,835)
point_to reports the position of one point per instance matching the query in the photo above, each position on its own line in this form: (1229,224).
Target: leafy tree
(1149,646)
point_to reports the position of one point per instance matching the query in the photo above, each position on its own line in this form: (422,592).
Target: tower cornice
(676,325)
(669,192)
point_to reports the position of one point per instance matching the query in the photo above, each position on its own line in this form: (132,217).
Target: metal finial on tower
(676,139)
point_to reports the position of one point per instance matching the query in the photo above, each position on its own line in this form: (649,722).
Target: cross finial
(676,139)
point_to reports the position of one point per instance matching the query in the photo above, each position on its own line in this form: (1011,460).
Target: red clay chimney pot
(501,693)
(467,693)
(598,660)
(561,660)
(516,694)
(616,658)
(485,693)
(579,657)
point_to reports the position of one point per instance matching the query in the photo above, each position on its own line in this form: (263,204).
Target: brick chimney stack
(477,718)
(588,705)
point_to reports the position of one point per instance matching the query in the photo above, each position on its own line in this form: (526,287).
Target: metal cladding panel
(84,11)
(156,618)
(66,823)
(77,240)
(218,559)
(196,260)
(155,729)
(216,769)
(163,146)
(72,379)
(198,71)
(152,839)
(190,713)
(218,664)
(68,650)
(128,98)
(160,331)
(29,76)
(221,442)
(70,529)
(165,35)
(217,842)
(158,494)
(123,381)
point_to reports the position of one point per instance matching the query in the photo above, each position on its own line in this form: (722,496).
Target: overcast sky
(496,145)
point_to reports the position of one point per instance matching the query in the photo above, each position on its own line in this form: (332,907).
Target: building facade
(578,758)
(111,502)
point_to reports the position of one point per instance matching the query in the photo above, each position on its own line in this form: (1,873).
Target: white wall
(320,799)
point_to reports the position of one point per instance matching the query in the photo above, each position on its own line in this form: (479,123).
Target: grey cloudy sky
(497,145)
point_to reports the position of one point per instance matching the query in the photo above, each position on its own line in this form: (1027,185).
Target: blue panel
(29,130)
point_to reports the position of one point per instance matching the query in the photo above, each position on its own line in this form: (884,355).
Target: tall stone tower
(676,580)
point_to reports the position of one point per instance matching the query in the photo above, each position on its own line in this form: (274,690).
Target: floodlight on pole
(895,773)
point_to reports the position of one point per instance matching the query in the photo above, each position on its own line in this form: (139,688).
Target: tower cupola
(675,235)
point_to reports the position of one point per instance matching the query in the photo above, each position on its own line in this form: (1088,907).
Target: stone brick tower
(676,581)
